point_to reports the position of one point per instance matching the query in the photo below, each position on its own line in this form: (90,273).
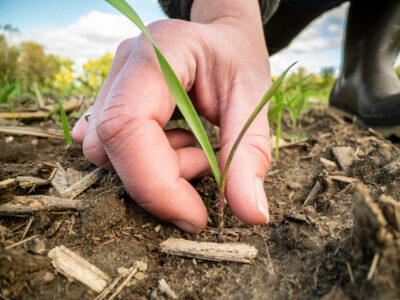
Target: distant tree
(398,71)
(35,65)
(64,78)
(9,30)
(8,60)
(328,76)
(95,72)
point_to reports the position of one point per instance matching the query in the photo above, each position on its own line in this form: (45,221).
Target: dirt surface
(322,247)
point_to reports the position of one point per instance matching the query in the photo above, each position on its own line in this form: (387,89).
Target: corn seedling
(64,122)
(187,109)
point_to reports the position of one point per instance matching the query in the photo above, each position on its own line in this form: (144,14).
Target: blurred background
(65,49)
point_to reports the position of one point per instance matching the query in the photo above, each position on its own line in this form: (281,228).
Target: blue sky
(89,28)
(28,14)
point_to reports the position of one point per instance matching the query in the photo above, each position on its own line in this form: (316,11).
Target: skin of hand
(222,61)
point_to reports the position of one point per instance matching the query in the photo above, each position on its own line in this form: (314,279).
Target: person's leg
(291,17)
(368,87)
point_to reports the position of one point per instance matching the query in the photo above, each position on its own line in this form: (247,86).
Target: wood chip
(391,211)
(33,131)
(284,144)
(344,157)
(296,217)
(344,179)
(28,115)
(7,182)
(29,181)
(73,176)
(60,179)
(29,204)
(78,187)
(209,251)
(163,289)
(313,193)
(75,267)
(327,162)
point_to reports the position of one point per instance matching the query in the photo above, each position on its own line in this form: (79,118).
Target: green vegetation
(65,126)
(187,109)
(25,65)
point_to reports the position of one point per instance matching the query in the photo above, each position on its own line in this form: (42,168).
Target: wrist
(212,11)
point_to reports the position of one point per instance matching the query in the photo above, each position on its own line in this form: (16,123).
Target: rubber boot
(368,87)
(285,24)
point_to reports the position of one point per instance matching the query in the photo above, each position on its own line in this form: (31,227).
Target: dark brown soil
(322,249)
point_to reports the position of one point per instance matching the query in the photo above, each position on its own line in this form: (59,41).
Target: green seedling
(6,93)
(64,122)
(187,109)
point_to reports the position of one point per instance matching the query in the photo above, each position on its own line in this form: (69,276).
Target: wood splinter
(23,205)
(209,251)
(75,267)
(344,156)
(78,187)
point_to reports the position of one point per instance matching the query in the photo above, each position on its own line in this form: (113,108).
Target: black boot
(285,24)
(368,87)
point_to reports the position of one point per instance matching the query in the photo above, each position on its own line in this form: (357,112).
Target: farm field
(333,190)
(311,248)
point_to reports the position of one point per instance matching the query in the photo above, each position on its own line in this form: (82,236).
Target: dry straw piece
(209,251)
(75,267)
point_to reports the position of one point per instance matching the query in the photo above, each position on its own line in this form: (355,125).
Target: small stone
(41,278)
(36,246)
(158,228)
(9,139)
(295,185)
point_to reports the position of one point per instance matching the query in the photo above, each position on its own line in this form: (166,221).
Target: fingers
(180,138)
(193,163)
(245,182)
(130,129)
(84,131)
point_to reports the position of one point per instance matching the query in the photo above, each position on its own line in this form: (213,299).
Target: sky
(89,28)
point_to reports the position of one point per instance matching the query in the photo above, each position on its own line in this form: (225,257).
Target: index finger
(130,128)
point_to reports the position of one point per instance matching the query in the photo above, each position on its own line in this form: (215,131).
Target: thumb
(245,182)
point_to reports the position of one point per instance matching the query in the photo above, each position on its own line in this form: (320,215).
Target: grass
(64,122)
(188,111)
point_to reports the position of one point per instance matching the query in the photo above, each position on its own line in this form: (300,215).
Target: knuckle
(159,27)
(259,146)
(124,47)
(94,152)
(116,123)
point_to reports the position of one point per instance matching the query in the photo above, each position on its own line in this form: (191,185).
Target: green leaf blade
(177,91)
(65,126)
(189,113)
(271,91)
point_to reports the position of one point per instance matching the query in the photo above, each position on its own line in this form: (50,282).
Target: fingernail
(185,226)
(261,198)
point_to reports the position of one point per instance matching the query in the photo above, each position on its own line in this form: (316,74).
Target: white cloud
(324,33)
(317,46)
(91,36)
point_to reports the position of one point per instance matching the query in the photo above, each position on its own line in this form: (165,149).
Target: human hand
(222,60)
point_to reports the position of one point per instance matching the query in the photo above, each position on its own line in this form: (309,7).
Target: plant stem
(267,96)
(221,203)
